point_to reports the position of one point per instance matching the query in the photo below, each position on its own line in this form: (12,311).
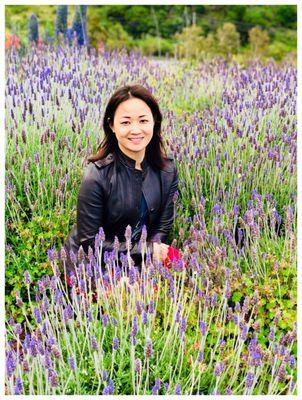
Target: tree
(33,29)
(79,25)
(61,20)
(258,40)
(190,42)
(228,39)
(210,44)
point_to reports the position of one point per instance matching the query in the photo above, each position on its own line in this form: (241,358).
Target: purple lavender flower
(36,158)
(200,356)
(52,378)
(105,320)
(148,348)
(67,313)
(71,363)
(128,233)
(109,389)
(138,365)
(292,362)
(272,334)
(218,369)
(10,364)
(145,318)
(281,373)
(104,375)
(115,343)
(203,328)
(101,234)
(93,343)
(18,386)
(37,315)
(183,325)
(228,391)
(134,326)
(151,307)
(131,276)
(177,390)
(249,380)
(18,329)
(27,278)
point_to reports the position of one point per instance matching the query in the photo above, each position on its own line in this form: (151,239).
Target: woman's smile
(136,140)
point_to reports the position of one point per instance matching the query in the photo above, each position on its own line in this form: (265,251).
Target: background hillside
(156,30)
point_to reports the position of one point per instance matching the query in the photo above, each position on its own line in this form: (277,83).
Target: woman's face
(133,126)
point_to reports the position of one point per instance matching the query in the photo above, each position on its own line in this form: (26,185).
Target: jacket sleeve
(90,215)
(166,218)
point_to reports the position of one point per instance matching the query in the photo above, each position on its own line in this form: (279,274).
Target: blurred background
(197,32)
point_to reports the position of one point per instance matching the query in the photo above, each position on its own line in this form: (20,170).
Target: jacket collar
(129,162)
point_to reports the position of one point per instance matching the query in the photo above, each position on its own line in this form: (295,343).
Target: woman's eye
(125,122)
(144,120)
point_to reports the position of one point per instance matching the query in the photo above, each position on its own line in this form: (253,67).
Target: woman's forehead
(133,107)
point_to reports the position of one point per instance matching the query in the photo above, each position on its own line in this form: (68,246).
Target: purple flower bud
(109,389)
(272,334)
(37,315)
(52,378)
(93,343)
(36,158)
(218,369)
(292,362)
(145,318)
(104,375)
(134,326)
(73,257)
(138,365)
(131,276)
(148,348)
(72,363)
(151,307)
(10,364)
(18,386)
(105,320)
(177,390)
(144,234)
(18,329)
(101,234)
(200,356)
(203,328)
(27,277)
(115,343)
(128,233)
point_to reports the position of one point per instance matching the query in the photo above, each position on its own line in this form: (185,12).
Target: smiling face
(133,127)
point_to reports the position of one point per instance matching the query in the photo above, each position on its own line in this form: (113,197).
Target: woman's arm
(166,218)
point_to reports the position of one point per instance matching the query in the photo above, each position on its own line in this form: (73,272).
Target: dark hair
(155,152)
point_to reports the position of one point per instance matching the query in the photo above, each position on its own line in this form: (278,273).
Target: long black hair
(155,152)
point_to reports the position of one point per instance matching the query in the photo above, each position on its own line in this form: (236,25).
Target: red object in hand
(173,255)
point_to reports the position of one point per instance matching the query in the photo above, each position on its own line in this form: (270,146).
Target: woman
(129,181)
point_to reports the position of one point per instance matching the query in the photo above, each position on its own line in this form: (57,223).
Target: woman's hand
(160,251)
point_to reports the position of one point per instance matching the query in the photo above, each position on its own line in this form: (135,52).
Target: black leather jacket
(109,197)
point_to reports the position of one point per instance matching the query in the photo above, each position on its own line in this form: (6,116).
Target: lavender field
(222,320)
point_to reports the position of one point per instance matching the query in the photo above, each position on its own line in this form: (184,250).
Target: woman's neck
(137,156)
